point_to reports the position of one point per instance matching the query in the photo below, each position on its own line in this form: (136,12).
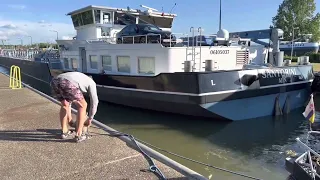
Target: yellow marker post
(15,77)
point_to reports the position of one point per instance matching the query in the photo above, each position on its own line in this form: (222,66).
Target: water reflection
(255,147)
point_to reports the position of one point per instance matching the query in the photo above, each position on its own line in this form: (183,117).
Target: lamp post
(293,28)
(21,41)
(56,32)
(30,40)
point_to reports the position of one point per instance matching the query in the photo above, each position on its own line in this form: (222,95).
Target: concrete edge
(151,152)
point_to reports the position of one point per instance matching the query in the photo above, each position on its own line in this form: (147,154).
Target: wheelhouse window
(66,63)
(76,19)
(87,17)
(123,63)
(83,18)
(146,65)
(106,18)
(97,16)
(93,62)
(106,63)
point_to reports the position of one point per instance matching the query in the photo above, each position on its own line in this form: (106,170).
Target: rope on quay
(117,133)
(165,160)
(153,167)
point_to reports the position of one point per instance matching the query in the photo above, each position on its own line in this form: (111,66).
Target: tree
(298,14)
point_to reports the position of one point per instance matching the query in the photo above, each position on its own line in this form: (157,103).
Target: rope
(117,133)
(152,166)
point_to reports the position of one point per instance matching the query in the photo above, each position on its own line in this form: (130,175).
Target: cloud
(9,26)
(17,6)
(40,32)
(3,37)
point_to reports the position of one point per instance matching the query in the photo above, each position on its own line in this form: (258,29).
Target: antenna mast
(220,17)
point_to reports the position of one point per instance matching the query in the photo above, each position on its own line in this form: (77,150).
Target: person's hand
(88,122)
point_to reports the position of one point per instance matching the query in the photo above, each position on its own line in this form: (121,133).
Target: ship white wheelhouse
(94,49)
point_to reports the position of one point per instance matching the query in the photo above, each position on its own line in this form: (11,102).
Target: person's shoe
(67,135)
(83,137)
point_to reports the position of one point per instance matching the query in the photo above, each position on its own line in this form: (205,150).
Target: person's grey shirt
(86,85)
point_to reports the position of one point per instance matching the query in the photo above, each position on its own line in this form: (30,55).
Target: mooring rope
(153,167)
(117,133)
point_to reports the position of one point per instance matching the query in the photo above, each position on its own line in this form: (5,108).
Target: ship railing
(110,40)
(178,40)
(161,38)
(21,54)
(309,158)
(146,37)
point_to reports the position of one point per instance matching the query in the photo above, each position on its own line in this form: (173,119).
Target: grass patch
(316,66)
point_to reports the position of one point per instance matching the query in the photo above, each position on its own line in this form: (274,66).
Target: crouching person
(69,88)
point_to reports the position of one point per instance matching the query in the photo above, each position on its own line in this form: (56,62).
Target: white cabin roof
(133,11)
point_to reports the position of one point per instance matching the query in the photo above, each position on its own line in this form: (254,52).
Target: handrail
(179,38)
(170,38)
(146,36)
(25,54)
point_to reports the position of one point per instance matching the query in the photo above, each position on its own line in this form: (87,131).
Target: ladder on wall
(193,51)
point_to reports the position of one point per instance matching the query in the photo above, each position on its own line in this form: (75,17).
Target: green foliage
(298,13)
(314,57)
(294,58)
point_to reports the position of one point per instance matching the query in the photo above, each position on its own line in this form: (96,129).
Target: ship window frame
(91,63)
(66,62)
(129,63)
(152,72)
(97,16)
(74,63)
(109,66)
(88,20)
(77,20)
(109,17)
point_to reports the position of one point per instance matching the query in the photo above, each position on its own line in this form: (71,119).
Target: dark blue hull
(260,106)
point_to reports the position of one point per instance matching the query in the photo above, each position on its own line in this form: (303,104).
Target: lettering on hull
(219,52)
(283,75)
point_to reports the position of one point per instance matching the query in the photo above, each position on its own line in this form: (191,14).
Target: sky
(35,18)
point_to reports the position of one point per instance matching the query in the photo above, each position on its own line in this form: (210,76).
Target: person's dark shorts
(65,90)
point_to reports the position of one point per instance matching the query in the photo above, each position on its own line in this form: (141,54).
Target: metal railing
(146,37)
(170,39)
(195,38)
(27,54)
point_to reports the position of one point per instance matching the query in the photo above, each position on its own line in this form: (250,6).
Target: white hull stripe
(202,94)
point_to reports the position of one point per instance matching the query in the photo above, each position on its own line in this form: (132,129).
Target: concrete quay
(31,149)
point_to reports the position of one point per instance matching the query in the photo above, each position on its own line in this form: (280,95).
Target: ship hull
(228,95)
(234,110)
